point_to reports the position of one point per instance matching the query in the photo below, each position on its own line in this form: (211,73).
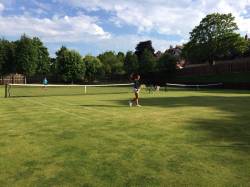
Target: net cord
(69,85)
(194,85)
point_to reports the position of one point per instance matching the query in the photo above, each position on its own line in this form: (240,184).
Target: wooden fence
(220,67)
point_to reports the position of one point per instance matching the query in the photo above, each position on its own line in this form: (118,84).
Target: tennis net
(36,90)
(193,86)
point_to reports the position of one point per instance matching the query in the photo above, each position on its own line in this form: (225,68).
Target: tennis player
(45,82)
(136,90)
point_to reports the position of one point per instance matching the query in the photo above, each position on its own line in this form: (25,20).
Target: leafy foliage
(43,60)
(147,62)
(94,67)
(131,64)
(142,46)
(214,38)
(112,65)
(167,62)
(70,65)
(7,57)
(26,56)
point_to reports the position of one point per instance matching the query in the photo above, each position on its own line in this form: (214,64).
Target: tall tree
(60,59)
(121,57)
(93,68)
(53,67)
(166,66)
(131,64)
(214,37)
(247,52)
(142,46)
(70,65)
(7,57)
(26,56)
(43,60)
(146,58)
(147,62)
(111,64)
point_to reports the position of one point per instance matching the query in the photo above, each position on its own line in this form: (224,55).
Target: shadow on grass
(104,106)
(232,131)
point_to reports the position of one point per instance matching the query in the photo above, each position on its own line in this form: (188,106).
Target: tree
(70,65)
(53,67)
(121,57)
(59,60)
(131,64)
(247,52)
(146,58)
(166,66)
(142,46)
(111,64)
(2,56)
(7,57)
(43,60)
(93,68)
(147,62)
(234,46)
(26,56)
(214,38)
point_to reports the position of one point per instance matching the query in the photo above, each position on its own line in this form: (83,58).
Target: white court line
(87,108)
(60,110)
(23,113)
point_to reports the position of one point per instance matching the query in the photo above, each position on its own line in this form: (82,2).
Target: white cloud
(57,29)
(41,5)
(128,43)
(116,43)
(166,17)
(1,7)
(149,16)
(7,3)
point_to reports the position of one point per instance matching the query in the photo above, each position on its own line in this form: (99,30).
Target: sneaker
(138,105)
(130,104)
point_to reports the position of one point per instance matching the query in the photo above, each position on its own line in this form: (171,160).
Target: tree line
(215,38)
(30,57)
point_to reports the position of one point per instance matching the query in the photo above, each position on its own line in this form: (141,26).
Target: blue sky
(92,27)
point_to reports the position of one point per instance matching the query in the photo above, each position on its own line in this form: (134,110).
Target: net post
(6,90)
(85,89)
(197,87)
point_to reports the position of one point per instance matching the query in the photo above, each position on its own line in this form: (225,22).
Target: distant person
(157,88)
(45,82)
(136,90)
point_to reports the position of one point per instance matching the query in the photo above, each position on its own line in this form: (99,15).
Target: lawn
(178,138)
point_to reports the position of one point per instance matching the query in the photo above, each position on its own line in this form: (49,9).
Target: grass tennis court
(178,138)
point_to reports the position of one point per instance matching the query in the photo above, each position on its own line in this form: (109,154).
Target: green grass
(178,138)
(225,78)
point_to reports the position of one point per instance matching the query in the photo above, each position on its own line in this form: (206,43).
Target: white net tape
(68,85)
(195,85)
